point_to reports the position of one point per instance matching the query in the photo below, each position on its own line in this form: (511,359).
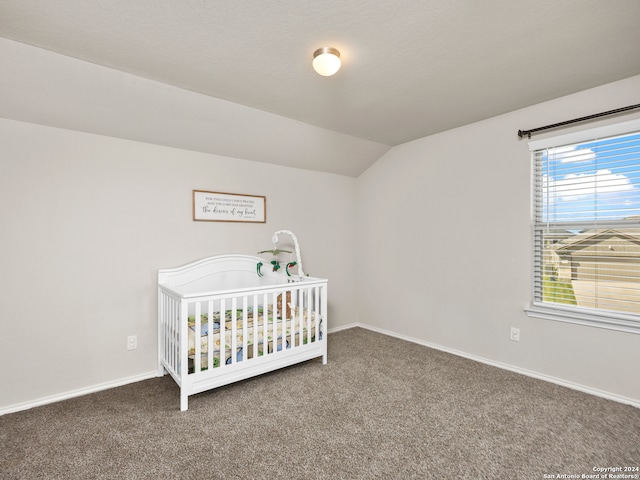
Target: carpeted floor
(381,408)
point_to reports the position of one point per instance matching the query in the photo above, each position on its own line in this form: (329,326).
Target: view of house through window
(587,224)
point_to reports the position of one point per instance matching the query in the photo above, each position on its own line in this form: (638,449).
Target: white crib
(224,319)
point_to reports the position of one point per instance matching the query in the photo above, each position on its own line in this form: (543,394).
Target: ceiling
(410,68)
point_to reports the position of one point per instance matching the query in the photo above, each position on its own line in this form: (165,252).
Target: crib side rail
(169,305)
(228,331)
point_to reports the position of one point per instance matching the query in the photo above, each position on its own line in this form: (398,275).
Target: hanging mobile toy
(289,265)
(275,251)
(275,262)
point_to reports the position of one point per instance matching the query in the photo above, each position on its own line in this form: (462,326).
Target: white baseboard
(76,393)
(145,376)
(103,386)
(344,327)
(504,366)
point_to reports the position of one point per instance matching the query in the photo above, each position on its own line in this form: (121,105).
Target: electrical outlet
(132,342)
(515,334)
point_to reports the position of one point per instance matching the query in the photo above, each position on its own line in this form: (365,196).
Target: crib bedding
(296,328)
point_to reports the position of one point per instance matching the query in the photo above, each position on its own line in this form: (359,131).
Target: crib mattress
(286,331)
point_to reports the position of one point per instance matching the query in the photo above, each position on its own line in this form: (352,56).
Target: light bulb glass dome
(326,61)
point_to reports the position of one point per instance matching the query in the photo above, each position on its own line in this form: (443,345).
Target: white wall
(39,86)
(86,222)
(436,234)
(444,249)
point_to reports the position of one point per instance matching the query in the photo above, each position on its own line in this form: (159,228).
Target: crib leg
(184,402)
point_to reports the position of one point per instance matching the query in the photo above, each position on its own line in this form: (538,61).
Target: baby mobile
(275,251)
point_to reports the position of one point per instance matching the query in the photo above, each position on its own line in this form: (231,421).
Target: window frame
(572,314)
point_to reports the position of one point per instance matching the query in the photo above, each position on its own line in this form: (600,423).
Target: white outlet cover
(515,334)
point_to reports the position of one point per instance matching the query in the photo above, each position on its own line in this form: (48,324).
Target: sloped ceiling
(410,68)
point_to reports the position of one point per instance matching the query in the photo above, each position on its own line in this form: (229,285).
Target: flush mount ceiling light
(326,61)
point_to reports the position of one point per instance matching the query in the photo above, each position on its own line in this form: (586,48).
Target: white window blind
(586,226)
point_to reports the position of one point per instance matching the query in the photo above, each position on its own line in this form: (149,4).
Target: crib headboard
(219,273)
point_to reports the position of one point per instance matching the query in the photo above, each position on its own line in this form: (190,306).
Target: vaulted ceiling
(410,68)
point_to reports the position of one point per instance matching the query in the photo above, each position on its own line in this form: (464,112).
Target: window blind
(586,221)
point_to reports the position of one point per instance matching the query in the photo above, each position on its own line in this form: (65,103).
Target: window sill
(611,321)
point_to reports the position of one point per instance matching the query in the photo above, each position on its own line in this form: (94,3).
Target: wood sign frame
(228,207)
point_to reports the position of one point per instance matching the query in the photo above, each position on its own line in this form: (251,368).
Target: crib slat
(295,315)
(307,314)
(299,327)
(272,327)
(245,326)
(283,322)
(234,330)
(285,295)
(223,333)
(321,309)
(274,324)
(175,336)
(183,339)
(256,322)
(210,335)
(265,324)
(197,339)
(304,329)
(168,331)
(293,322)
(171,335)
(276,314)
(316,310)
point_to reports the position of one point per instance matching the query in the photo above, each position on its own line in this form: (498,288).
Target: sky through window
(592,181)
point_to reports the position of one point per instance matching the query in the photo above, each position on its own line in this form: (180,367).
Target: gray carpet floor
(381,408)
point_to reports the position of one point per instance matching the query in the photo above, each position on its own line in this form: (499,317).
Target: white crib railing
(268,327)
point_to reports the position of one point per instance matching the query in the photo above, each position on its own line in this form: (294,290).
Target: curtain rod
(522,133)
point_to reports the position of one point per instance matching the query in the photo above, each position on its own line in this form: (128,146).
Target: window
(586,227)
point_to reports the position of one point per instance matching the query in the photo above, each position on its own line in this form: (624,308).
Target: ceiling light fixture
(326,61)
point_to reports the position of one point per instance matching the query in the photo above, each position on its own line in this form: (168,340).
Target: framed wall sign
(228,207)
